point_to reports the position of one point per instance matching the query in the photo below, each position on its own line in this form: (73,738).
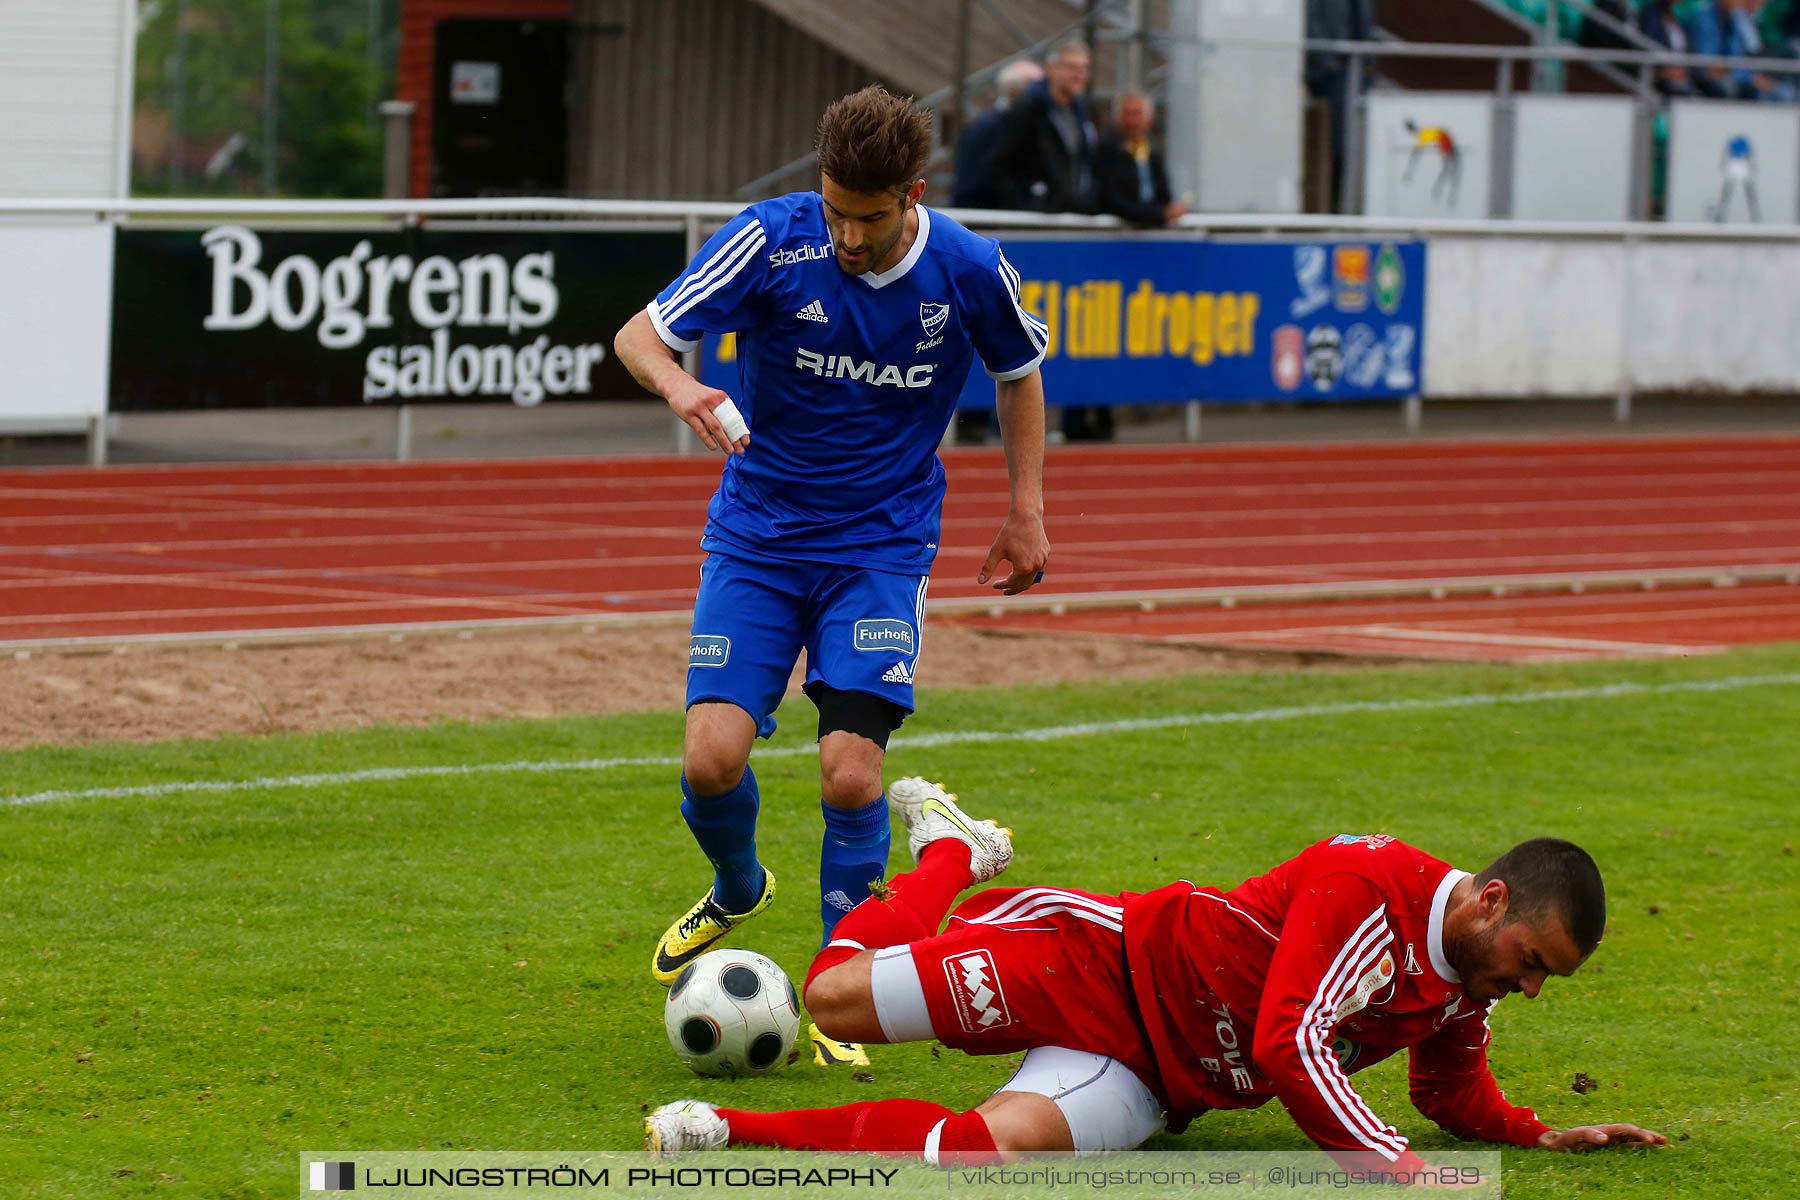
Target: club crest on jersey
(1373,841)
(933,317)
(975,992)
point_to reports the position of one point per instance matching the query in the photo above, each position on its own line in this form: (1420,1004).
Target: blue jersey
(846,381)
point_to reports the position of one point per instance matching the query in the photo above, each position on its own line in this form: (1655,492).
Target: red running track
(130,552)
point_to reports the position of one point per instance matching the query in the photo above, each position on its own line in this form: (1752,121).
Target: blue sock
(725,827)
(853,855)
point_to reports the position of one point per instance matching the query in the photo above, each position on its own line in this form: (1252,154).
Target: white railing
(1635,305)
(705,215)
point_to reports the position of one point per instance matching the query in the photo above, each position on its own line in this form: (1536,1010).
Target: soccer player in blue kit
(858,314)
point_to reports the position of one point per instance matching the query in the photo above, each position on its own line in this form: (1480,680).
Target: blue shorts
(860,630)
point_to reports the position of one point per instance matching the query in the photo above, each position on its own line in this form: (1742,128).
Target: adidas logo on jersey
(838,900)
(813,312)
(898,673)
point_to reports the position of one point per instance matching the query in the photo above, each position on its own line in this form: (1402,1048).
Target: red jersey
(1285,985)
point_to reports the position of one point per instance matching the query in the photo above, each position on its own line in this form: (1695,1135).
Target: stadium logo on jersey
(787,258)
(933,317)
(709,650)
(898,673)
(842,366)
(813,312)
(883,633)
(975,992)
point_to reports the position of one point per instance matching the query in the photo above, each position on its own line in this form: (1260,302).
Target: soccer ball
(732,1012)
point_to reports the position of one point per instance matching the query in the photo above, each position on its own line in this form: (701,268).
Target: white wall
(1509,317)
(65,97)
(1571,157)
(1235,104)
(55,322)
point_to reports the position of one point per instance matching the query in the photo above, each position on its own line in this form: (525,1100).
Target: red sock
(966,1141)
(911,907)
(897,1128)
(914,906)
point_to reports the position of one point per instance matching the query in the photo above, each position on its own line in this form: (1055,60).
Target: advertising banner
(233,317)
(1153,321)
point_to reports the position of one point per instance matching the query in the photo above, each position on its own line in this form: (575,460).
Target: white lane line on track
(1471,637)
(1051,733)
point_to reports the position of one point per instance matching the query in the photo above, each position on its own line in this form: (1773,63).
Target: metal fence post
(1350,187)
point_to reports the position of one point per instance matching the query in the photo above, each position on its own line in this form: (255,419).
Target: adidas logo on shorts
(813,312)
(898,673)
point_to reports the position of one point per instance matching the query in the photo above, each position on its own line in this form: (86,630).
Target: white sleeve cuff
(678,344)
(1008,376)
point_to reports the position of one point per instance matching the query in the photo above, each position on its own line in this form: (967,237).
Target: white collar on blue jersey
(912,256)
(1434,936)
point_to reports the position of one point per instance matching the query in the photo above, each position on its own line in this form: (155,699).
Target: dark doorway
(499,117)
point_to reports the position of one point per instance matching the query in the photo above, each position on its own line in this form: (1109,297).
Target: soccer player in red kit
(1141,1011)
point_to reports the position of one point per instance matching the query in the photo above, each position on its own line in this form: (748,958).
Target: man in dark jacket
(973,186)
(1045,158)
(1132,179)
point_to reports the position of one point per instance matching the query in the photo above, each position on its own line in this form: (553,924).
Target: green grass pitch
(195,985)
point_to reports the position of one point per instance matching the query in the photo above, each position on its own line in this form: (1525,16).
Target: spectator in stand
(1132,183)
(973,185)
(1132,179)
(1045,157)
(1596,35)
(1328,74)
(1659,23)
(1729,28)
(1045,162)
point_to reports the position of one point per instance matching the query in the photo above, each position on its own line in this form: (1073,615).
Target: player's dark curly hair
(874,141)
(1549,875)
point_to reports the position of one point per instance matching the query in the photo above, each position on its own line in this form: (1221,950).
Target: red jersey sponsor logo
(975,992)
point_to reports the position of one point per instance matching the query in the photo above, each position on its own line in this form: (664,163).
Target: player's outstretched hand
(1593,1137)
(707,411)
(1022,546)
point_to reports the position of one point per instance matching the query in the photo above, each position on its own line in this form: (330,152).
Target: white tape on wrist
(731,419)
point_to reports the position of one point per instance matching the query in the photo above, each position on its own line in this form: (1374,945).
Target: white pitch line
(923,741)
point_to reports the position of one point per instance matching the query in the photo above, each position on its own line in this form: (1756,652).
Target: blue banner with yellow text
(1159,320)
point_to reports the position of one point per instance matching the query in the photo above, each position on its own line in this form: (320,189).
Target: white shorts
(1106,1105)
